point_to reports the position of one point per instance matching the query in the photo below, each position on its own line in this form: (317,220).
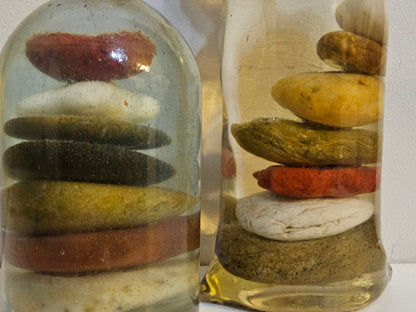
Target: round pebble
(333,99)
(86,128)
(83,162)
(352,53)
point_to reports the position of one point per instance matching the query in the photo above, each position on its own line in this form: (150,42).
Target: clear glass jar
(101,150)
(303,85)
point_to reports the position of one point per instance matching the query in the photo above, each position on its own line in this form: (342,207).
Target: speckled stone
(83,162)
(352,53)
(300,144)
(86,129)
(332,98)
(30,207)
(344,256)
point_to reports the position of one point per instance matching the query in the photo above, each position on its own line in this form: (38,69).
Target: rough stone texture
(83,162)
(345,256)
(332,99)
(86,129)
(352,53)
(103,250)
(103,57)
(301,144)
(318,182)
(280,218)
(54,207)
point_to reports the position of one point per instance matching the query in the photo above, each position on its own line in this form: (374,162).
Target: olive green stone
(344,256)
(83,162)
(55,207)
(86,128)
(302,144)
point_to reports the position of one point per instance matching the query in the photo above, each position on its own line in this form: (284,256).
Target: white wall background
(198,20)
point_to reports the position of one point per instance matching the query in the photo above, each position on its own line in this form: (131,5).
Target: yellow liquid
(219,286)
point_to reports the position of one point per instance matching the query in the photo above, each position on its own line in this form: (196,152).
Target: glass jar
(303,85)
(100,150)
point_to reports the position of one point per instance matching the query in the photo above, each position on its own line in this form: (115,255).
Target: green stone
(54,207)
(305,144)
(83,162)
(86,129)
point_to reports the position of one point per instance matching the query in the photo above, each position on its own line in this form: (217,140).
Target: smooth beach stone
(104,57)
(92,98)
(125,290)
(83,162)
(99,130)
(279,218)
(318,182)
(363,17)
(352,53)
(342,257)
(333,99)
(53,207)
(300,144)
(104,250)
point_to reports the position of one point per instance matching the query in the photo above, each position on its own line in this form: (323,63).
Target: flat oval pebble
(83,162)
(318,182)
(104,57)
(173,280)
(299,144)
(92,98)
(352,53)
(31,207)
(104,250)
(278,218)
(340,257)
(86,128)
(333,99)
(363,17)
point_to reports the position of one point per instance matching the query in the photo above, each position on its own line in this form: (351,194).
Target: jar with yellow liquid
(303,84)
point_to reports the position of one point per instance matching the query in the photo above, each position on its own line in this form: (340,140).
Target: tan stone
(333,99)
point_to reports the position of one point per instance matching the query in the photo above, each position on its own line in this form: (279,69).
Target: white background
(198,20)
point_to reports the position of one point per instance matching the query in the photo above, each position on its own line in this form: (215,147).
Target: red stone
(104,57)
(315,182)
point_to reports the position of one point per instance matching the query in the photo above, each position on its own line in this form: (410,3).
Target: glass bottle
(100,150)
(303,86)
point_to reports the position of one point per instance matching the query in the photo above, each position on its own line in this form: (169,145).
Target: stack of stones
(84,211)
(314,225)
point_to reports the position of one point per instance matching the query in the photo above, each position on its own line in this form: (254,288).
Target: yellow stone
(333,99)
(56,207)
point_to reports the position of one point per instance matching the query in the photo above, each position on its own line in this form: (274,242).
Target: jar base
(220,286)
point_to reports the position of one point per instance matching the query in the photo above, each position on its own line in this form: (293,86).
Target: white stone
(94,98)
(103,292)
(277,218)
(363,17)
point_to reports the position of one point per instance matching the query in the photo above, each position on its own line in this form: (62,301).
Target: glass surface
(303,85)
(100,150)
